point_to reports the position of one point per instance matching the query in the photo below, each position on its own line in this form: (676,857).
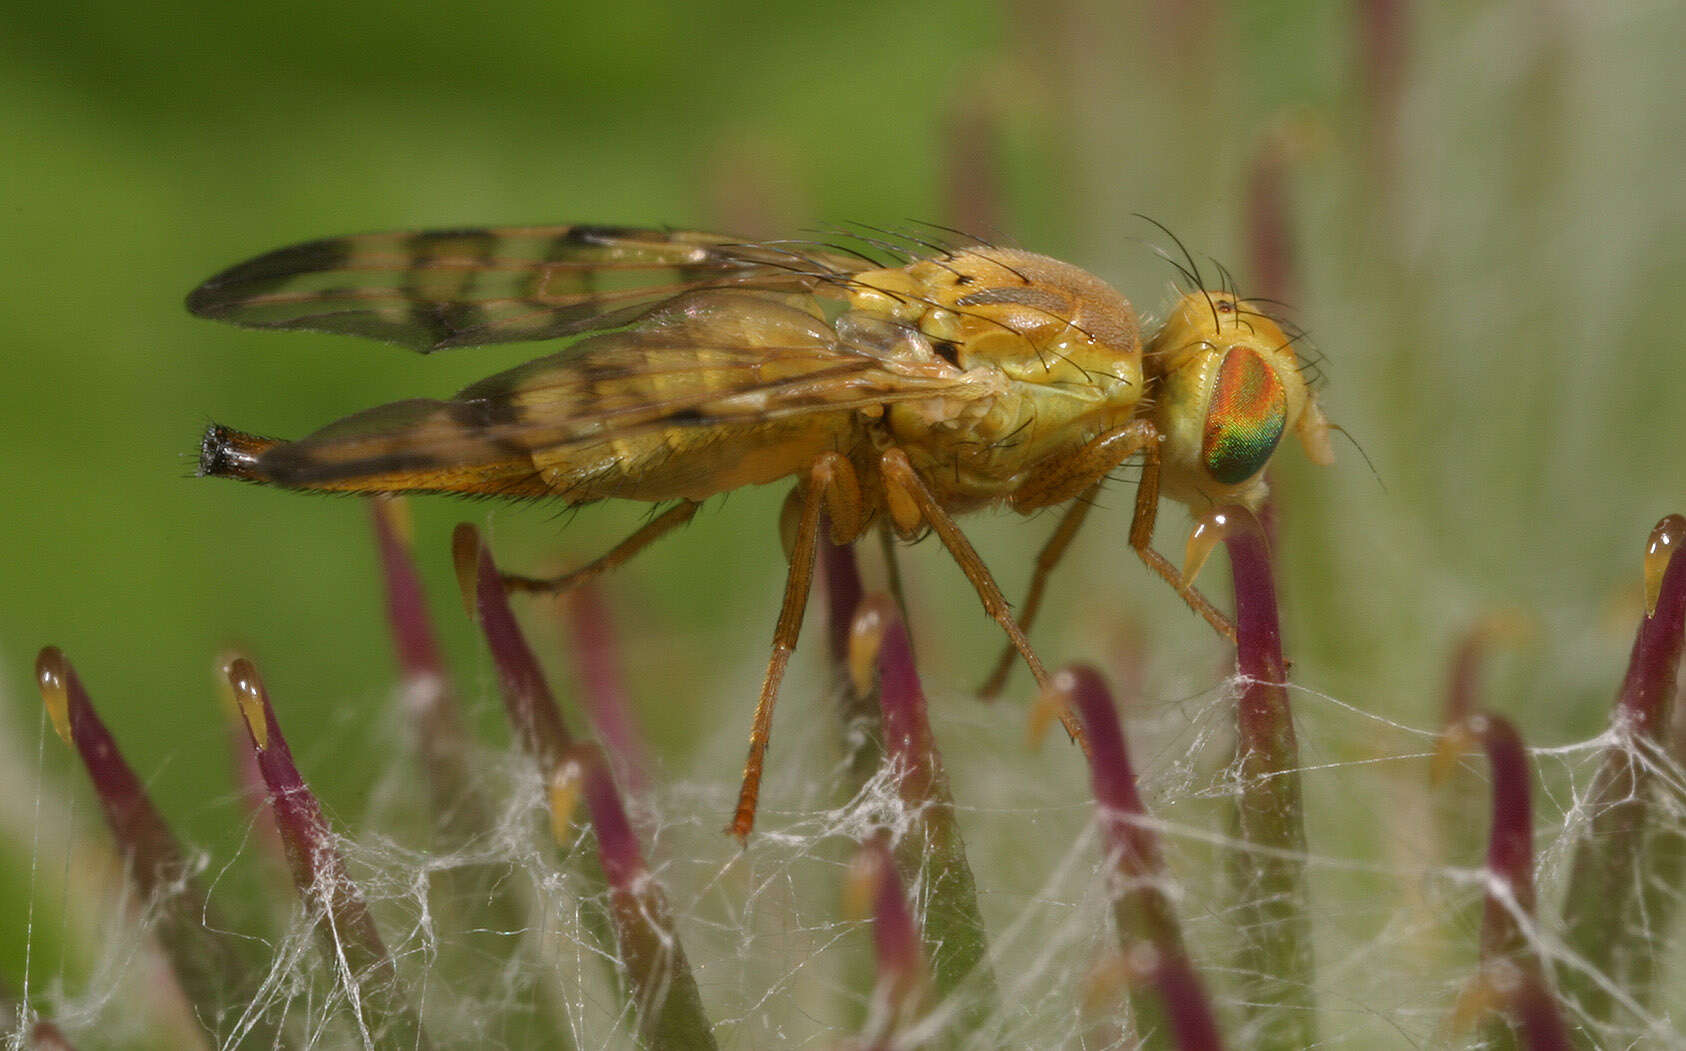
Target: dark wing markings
(430,290)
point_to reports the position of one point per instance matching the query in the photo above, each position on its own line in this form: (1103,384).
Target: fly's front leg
(1141,539)
(1079,477)
(831,485)
(647,534)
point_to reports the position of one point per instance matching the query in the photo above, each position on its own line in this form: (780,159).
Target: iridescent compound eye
(1245,418)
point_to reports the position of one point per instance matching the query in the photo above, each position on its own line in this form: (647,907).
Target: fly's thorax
(1227,388)
(977,452)
(1036,319)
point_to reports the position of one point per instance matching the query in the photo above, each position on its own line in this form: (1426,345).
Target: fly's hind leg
(643,537)
(831,485)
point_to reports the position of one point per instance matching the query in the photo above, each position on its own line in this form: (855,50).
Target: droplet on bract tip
(1209,531)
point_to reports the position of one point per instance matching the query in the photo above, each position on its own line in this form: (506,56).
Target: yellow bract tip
(866,639)
(564,791)
(1665,537)
(1488,992)
(395,512)
(465,557)
(52,674)
(1050,704)
(1454,741)
(1106,983)
(860,885)
(248,696)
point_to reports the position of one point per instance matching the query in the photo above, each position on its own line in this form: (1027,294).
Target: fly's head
(1036,319)
(1228,386)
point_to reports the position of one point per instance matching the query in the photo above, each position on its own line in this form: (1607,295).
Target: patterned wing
(711,390)
(429,290)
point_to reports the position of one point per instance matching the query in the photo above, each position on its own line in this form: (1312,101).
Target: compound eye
(1245,417)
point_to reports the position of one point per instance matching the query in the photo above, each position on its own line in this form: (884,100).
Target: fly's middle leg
(911,505)
(1046,560)
(1074,479)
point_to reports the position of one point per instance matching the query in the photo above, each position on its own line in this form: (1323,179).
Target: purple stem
(1510,861)
(931,856)
(1179,1015)
(157,863)
(895,935)
(431,714)
(907,726)
(843,593)
(1612,909)
(668,1005)
(617,843)
(1510,845)
(45,1036)
(1268,227)
(901,971)
(406,603)
(527,698)
(1383,32)
(1653,668)
(351,942)
(598,667)
(207,964)
(1268,869)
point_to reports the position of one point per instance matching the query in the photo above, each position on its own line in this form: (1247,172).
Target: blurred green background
(1486,217)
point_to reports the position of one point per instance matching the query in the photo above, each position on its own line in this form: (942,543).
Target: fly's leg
(647,534)
(1046,560)
(1088,467)
(1075,479)
(1078,477)
(832,486)
(1141,539)
(911,504)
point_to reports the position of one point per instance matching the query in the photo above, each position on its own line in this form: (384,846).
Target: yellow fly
(977,376)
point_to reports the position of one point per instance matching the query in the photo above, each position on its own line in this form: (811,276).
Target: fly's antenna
(1226,280)
(1377,475)
(1233,289)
